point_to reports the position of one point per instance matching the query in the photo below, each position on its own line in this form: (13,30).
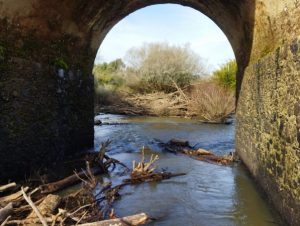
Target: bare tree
(161,64)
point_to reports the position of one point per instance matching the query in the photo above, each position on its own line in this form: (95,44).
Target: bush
(160,65)
(109,74)
(105,96)
(211,103)
(226,75)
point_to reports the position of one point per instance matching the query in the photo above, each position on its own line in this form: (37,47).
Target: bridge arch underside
(47,114)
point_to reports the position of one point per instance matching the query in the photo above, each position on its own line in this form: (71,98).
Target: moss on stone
(267,50)
(60,63)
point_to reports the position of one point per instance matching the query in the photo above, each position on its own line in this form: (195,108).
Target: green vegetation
(166,80)
(225,76)
(60,63)
(151,68)
(109,74)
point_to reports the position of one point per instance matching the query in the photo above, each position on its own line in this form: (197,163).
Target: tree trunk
(6,211)
(68,181)
(134,220)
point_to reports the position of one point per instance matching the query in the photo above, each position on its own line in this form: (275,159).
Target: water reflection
(207,195)
(142,131)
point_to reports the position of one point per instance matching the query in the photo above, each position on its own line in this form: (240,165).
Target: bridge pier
(268,127)
(46,111)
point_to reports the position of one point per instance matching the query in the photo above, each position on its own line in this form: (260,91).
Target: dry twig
(5,221)
(143,167)
(35,209)
(7,187)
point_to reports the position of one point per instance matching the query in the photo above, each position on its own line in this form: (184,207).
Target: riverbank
(204,102)
(154,104)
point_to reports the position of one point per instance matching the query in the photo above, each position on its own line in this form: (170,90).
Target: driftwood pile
(183,147)
(92,205)
(97,163)
(143,171)
(28,209)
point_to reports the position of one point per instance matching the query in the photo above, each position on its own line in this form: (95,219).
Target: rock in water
(97,122)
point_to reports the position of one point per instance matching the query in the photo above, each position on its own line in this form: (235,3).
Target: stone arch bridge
(45,115)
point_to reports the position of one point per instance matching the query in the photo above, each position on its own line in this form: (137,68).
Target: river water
(209,195)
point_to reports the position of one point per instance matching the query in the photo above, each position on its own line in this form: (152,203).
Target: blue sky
(171,23)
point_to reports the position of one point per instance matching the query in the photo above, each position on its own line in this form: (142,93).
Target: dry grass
(205,101)
(210,102)
(154,104)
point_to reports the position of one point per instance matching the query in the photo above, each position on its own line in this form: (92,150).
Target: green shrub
(60,63)
(104,96)
(109,74)
(225,76)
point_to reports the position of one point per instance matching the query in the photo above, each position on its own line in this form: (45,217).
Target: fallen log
(220,160)
(151,177)
(25,208)
(6,211)
(133,220)
(183,147)
(113,124)
(100,162)
(201,151)
(7,187)
(35,222)
(68,181)
(180,143)
(176,146)
(12,197)
(5,221)
(47,206)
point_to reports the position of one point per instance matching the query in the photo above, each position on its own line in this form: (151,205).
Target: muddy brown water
(208,195)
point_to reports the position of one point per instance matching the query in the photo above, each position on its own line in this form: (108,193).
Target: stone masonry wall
(45,112)
(268,127)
